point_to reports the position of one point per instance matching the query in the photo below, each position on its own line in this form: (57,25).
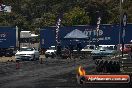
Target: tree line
(34,14)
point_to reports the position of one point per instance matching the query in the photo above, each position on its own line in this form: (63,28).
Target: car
(27,53)
(50,52)
(100,52)
(88,48)
(2,52)
(126,50)
(9,53)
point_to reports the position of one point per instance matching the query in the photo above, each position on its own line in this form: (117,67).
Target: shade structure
(76,34)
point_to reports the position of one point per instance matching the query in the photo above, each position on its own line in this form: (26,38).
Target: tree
(76,16)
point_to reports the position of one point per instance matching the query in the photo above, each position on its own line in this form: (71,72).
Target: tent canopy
(76,34)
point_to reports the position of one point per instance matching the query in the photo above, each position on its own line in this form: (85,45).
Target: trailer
(8,40)
(108,35)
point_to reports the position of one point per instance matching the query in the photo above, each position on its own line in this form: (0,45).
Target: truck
(8,40)
(108,35)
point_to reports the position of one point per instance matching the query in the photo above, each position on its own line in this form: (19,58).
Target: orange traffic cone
(17,65)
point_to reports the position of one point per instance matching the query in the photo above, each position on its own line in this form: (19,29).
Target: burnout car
(51,52)
(26,53)
(100,52)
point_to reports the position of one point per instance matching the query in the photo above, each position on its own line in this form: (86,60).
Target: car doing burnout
(26,53)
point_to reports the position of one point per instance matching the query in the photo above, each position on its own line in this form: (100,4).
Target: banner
(107,78)
(58,23)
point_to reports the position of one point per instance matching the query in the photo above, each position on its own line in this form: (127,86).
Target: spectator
(58,51)
(115,47)
(131,52)
(79,47)
(71,48)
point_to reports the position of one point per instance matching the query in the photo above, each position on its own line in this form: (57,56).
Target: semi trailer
(108,35)
(8,40)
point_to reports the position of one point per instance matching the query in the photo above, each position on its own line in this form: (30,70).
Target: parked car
(126,50)
(26,53)
(102,52)
(88,48)
(2,52)
(51,52)
(9,53)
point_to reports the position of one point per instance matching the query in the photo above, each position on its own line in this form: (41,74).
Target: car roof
(27,47)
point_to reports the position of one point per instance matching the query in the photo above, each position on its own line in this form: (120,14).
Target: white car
(51,52)
(88,48)
(26,53)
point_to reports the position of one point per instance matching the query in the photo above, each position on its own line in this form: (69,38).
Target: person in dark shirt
(79,47)
(58,51)
(71,47)
(131,52)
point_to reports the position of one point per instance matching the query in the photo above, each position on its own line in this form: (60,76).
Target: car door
(36,53)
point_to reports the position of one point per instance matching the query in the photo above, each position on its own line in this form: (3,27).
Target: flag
(58,23)
(124,24)
(122,1)
(98,25)
(123,34)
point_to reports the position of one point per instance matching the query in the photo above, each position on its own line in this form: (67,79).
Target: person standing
(71,47)
(58,52)
(131,52)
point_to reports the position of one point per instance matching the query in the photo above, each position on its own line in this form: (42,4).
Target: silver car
(103,52)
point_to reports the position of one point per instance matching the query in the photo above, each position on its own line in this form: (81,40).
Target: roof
(76,34)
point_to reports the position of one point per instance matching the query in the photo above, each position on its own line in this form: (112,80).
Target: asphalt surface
(52,73)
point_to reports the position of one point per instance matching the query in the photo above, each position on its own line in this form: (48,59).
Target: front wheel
(34,58)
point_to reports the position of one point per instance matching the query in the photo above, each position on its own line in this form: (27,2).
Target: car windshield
(26,49)
(89,47)
(51,48)
(102,48)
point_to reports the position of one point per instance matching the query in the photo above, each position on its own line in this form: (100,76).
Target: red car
(127,49)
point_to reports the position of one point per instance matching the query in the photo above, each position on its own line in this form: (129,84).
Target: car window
(26,49)
(106,48)
(91,47)
(86,47)
(51,48)
(111,48)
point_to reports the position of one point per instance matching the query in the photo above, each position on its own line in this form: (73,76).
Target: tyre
(53,55)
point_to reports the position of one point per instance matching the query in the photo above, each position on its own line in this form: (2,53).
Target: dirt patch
(7,59)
